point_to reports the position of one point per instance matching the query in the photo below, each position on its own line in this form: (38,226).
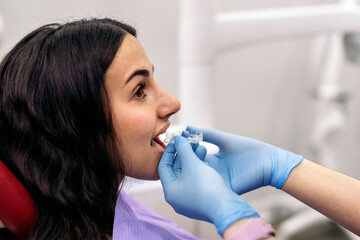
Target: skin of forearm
(335,195)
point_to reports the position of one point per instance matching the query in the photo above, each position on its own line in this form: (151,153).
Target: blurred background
(273,88)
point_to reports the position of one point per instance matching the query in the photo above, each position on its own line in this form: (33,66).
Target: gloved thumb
(185,152)
(166,164)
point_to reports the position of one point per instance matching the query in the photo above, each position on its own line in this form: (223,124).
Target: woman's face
(140,108)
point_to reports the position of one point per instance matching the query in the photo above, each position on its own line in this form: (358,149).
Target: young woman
(79,110)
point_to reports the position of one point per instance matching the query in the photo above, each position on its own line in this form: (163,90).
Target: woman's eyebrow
(141,72)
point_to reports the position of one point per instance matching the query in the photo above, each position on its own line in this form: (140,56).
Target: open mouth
(157,143)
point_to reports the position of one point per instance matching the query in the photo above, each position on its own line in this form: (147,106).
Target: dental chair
(18,212)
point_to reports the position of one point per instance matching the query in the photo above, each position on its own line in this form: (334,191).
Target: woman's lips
(157,143)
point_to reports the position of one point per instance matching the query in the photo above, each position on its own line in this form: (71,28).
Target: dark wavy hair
(56,131)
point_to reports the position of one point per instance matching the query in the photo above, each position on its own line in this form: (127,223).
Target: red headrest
(18,211)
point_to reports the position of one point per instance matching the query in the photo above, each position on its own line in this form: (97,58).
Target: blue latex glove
(196,190)
(199,150)
(247,164)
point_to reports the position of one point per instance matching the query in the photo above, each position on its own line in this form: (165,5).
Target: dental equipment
(193,138)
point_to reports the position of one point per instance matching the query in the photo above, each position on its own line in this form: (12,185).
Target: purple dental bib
(135,221)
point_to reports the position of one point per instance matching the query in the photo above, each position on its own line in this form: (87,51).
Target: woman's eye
(140,93)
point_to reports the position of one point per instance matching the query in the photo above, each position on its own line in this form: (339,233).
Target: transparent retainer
(193,138)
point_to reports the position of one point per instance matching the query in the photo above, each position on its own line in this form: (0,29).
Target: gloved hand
(196,190)
(247,164)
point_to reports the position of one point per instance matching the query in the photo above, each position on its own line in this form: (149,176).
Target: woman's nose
(168,104)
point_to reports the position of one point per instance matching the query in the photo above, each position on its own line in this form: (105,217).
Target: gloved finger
(177,166)
(184,152)
(186,134)
(165,167)
(194,146)
(218,138)
(201,152)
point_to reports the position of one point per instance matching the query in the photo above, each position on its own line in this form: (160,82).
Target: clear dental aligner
(193,138)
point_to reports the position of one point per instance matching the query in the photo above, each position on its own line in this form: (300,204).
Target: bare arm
(335,195)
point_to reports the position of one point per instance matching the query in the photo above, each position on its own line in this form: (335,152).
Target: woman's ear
(18,211)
